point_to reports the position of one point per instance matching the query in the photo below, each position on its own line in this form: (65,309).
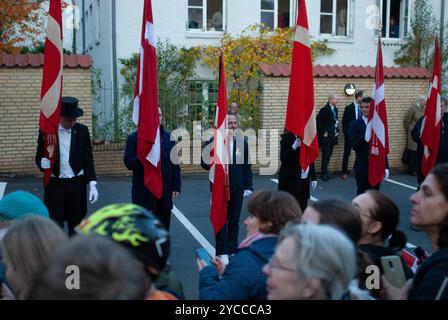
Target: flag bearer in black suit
(66,194)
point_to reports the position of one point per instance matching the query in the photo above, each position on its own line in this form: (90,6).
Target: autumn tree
(20,20)
(244,54)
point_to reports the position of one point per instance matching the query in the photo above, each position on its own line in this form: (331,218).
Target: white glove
(93,193)
(297,143)
(247,193)
(45,163)
(387,174)
(313,184)
(304,174)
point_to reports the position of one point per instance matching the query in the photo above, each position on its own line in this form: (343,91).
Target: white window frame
(333,14)
(204,18)
(292,13)
(400,20)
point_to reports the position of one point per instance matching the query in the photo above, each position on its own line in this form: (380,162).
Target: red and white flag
(300,117)
(431,126)
(377,131)
(51,88)
(146,107)
(219,167)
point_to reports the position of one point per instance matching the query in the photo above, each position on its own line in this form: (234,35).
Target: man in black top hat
(66,194)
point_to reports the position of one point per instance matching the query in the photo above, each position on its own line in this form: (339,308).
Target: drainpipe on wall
(83,28)
(442,25)
(114,68)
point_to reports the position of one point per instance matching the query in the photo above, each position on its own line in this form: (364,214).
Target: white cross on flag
(146,107)
(376,131)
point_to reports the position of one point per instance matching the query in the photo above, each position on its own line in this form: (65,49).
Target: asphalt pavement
(190,224)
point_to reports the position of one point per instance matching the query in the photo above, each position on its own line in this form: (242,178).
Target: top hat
(69,108)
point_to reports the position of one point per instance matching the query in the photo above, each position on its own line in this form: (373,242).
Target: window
(206,15)
(277,13)
(395,18)
(91,27)
(334,17)
(97,29)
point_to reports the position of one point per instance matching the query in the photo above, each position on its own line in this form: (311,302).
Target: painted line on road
(402,184)
(408,244)
(194,231)
(311,197)
(2,189)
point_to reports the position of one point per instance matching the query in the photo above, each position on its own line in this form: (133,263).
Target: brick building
(402,87)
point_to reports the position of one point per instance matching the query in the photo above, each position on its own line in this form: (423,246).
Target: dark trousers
(362,182)
(327,146)
(227,237)
(66,200)
(347,150)
(414,162)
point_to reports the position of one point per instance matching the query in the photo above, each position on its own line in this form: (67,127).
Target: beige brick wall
(400,95)
(19,117)
(19,114)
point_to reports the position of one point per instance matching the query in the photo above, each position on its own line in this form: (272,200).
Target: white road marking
(194,231)
(402,184)
(408,244)
(2,189)
(311,197)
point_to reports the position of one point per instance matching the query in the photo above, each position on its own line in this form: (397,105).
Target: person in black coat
(351,112)
(170,177)
(291,178)
(240,183)
(442,156)
(361,147)
(328,131)
(430,214)
(66,194)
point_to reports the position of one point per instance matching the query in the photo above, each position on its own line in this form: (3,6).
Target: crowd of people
(293,250)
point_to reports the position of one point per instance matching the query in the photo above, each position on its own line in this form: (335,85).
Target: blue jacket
(243,278)
(357,135)
(170,173)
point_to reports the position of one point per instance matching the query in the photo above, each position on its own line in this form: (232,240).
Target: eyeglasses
(274,264)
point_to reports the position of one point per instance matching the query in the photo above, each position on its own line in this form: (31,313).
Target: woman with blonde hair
(26,247)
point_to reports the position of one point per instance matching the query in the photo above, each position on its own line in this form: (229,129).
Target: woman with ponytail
(379,220)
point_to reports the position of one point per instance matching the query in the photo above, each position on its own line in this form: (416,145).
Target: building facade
(110,29)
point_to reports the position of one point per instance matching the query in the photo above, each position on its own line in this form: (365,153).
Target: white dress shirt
(365,119)
(357,110)
(65,138)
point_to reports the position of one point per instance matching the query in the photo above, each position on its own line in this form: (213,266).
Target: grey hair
(420,99)
(325,253)
(444,99)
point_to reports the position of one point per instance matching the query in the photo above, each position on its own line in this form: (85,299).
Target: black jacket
(430,277)
(240,169)
(357,136)
(348,117)
(326,121)
(289,174)
(170,173)
(376,252)
(81,157)
(442,156)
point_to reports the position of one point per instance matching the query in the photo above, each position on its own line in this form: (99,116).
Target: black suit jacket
(360,145)
(326,122)
(348,117)
(81,157)
(240,169)
(170,173)
(290,170)
(442,155)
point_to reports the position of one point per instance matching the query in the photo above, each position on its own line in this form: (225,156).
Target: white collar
(62,129)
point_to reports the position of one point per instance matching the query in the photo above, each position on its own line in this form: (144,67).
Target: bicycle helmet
(134,227)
